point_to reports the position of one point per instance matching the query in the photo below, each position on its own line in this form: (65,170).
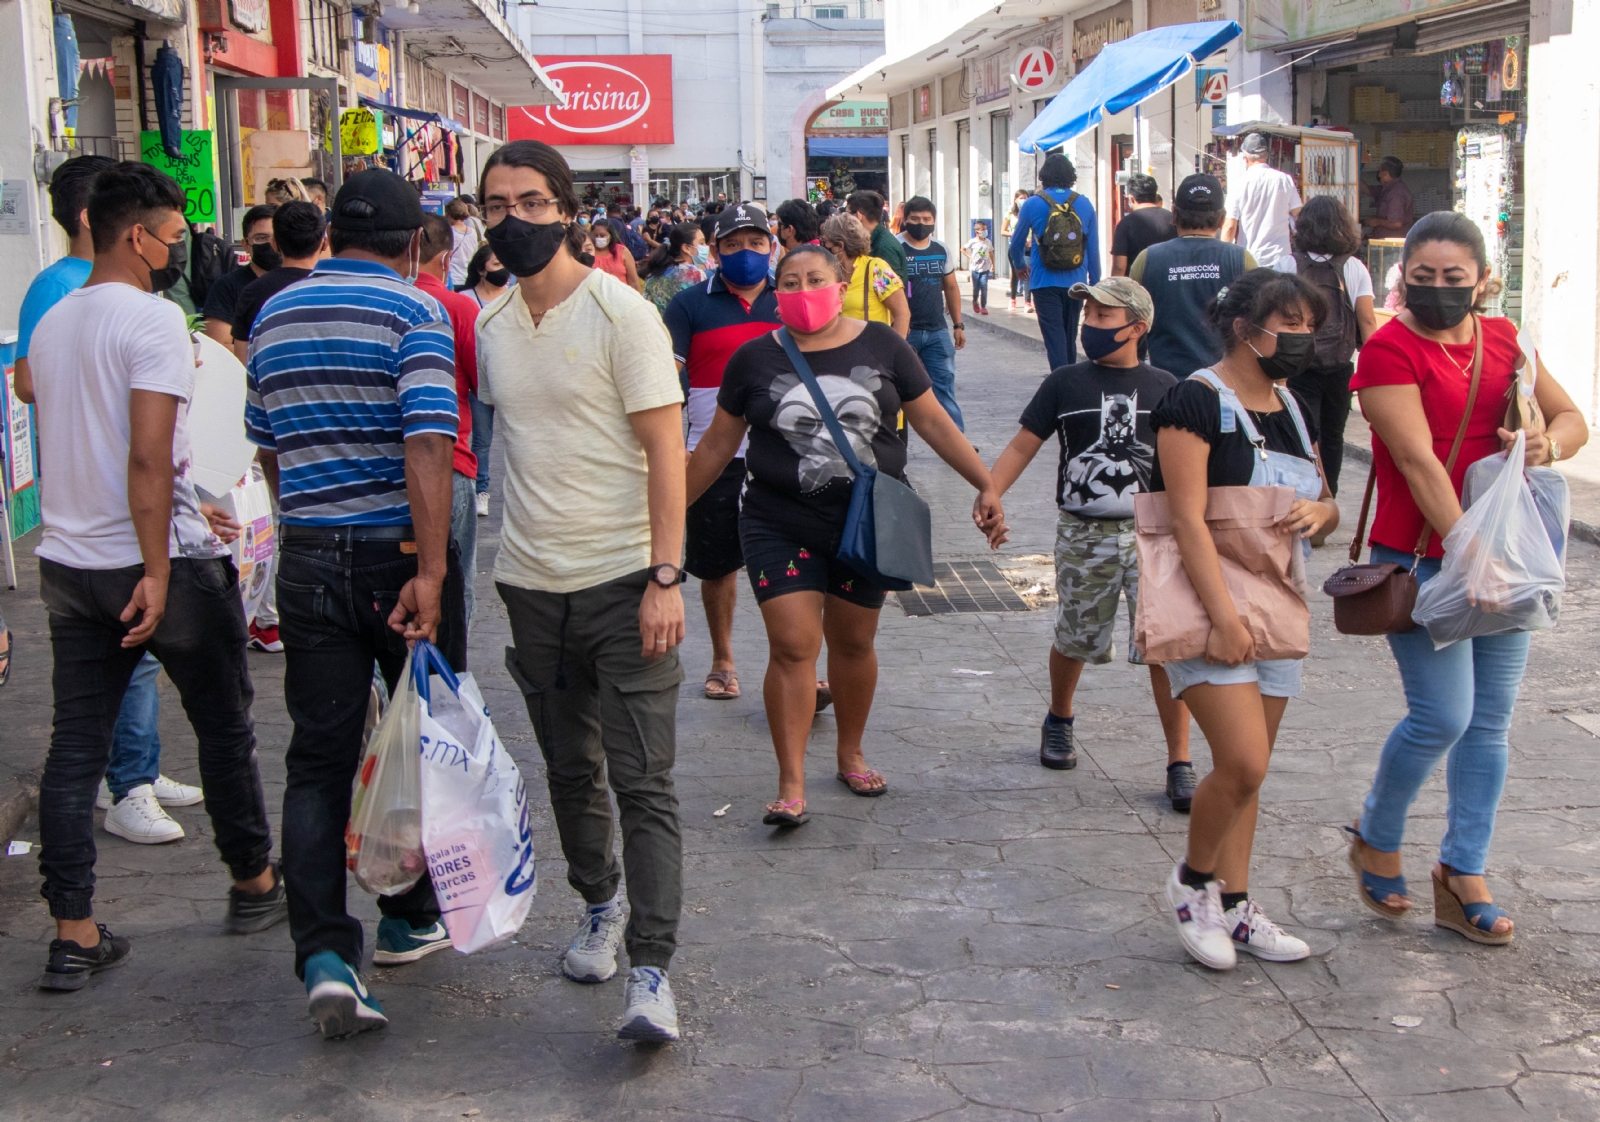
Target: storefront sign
(1273,23)
(987,77)
(358,132)
(250,15)
(19,436)
(851,115)
(374,72)
(1035,69)
(1210,86)
(605,99)
(1091,33)
(922,98)
(195,170)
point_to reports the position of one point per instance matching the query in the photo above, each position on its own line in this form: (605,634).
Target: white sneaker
(103,799)
(139,818)
(592,957)
(651,1014)
(483,504)
(1255,934)
(169,792)
(1197,912)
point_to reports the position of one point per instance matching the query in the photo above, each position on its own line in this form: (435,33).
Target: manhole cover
(963,586)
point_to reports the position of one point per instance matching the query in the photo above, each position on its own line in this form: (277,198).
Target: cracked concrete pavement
(984,943)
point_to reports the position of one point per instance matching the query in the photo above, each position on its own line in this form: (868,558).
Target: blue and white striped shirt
(344,366)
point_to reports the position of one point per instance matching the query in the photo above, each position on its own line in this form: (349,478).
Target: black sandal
(783,815)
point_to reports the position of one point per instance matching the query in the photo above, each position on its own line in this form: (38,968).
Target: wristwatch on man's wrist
(666,574)
(1555,449)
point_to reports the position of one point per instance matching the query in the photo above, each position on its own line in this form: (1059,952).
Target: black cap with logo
(376,199)
(742,216)
(1199,192)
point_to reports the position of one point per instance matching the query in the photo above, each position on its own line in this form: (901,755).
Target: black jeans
(1326,392)
(334,600)
(1058,323)
(201,643)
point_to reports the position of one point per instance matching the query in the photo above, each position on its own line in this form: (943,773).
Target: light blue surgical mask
(702,255)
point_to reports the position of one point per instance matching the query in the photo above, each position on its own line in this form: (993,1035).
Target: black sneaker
(70,965)
(249,912)
(1180,786)
(1055,747)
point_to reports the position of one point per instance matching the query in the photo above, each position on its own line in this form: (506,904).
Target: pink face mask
(810,309)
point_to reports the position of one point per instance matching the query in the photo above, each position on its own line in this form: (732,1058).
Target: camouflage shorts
(1096,562)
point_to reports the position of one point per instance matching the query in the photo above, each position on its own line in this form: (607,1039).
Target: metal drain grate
(963,586)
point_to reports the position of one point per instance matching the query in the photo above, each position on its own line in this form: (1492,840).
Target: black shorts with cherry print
(778,562)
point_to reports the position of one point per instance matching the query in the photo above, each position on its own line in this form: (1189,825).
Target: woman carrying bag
(1434,384)
(1231,427)
(797,501)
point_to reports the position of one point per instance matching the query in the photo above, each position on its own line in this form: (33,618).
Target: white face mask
(601,243)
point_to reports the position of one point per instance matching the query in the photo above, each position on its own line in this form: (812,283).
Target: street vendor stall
(1320,161)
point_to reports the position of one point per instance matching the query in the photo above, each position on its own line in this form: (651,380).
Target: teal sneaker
(399,942)
(340,1003)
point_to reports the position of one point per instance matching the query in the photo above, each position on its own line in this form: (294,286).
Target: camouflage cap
(1119,292)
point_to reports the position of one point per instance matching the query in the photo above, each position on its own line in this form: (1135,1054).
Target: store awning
(415,114)
(848,146)
(1122,75)
(472,42)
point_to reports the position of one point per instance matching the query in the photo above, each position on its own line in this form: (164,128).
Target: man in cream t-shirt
(1261,207)
(579,370)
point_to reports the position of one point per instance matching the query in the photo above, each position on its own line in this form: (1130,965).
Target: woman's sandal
(722,685)
(1375,889)
(1472,921)
(786,812)
(867,776)
(5,659)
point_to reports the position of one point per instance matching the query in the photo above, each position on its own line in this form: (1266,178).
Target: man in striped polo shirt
(351,398)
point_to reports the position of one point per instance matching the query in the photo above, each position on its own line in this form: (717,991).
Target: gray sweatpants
(601,710)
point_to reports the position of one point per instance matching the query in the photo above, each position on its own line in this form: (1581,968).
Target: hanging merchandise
(166,76)
(1511,66)
(67,65)
(1475,58)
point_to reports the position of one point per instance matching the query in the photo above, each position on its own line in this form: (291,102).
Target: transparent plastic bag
(1500,572)
(1550,495)
(383,841)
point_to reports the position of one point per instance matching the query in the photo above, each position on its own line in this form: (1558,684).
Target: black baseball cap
(742,216)
(1254,145)
(1199,192)
(376,199)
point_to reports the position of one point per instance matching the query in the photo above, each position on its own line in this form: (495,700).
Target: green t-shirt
(887,247)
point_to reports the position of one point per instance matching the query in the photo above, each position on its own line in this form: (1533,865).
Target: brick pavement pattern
(984,943)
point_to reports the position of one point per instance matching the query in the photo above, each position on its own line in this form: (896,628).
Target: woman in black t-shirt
(797,495)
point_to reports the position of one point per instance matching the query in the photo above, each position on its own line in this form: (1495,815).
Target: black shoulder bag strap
(824,408)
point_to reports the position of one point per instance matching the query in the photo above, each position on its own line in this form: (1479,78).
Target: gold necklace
(1463,370)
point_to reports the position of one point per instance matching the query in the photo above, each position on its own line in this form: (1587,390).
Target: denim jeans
(201,644)
(1460,701)
(334,600)
(980,290)
(1058,323)
(464,529)
(938,354)
(136,741)
(482,436)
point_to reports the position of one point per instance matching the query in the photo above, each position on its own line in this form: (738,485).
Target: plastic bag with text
(475,826)
(383,842)
(253,553)
(1500,572)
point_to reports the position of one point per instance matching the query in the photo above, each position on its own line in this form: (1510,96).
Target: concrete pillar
(27,82)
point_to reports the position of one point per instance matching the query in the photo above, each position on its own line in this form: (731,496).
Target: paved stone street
(984,943)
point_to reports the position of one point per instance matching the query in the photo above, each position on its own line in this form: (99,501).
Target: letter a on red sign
(1036,66)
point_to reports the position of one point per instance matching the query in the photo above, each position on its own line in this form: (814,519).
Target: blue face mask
(702,255)
(744,268)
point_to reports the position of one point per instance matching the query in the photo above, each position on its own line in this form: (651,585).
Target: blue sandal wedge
(1375,889)
(1471,921)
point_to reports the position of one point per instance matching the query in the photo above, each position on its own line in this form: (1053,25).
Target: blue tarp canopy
(414,114)
(848,146)
(1122,75)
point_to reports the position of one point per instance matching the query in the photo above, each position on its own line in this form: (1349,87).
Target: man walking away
(222,298)
(931,289)
(350,395)
(1066,251)
(579,370)
(1260,208)
(128,564)
(868,207)
(1146,223)
(1183,275)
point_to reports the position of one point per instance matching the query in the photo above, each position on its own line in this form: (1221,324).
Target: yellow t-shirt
(575,513)
(884,282)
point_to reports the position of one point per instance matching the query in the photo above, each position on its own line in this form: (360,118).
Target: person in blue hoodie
(1058,312)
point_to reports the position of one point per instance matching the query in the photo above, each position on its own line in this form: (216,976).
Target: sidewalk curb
(983,324)
(19,803)
(1583,531)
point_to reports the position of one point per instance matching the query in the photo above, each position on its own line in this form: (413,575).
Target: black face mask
(498,277)
(918,231)
(264,257)
(586,260)
(1098,342)
(1294,354)
(177,261)
(523,247)
(1439,307)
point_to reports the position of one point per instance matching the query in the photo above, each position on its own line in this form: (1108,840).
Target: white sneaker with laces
(1254,933)
(139,818)
(483,504)
(651,1014)
(169,792)
(592,957)
(1197,912)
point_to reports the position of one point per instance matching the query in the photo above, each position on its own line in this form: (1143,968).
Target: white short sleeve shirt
(1261,206)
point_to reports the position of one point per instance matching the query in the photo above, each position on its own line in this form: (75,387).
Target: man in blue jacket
(1058,313)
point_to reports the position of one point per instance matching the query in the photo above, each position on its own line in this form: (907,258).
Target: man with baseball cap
(351,399)
(1261,206)
(1183,274)
(1099,411)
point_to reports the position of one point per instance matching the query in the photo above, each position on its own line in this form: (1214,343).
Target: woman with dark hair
(611,253)
(798,496)
(676,263)
(1015,246)
(487,281)
(1414,380)
(1327,253)
(1235,425)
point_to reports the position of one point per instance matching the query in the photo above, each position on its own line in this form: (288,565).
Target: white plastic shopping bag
(253,552)
(475,827)
(1500,572)
(383,840)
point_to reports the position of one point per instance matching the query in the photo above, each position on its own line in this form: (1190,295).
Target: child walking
(979,253)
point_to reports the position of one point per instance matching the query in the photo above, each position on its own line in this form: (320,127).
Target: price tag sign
(358,132)
(195,170)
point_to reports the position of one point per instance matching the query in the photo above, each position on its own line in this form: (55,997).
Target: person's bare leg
(85,933)
(1064,675)
(1471,890)
(1234,723)
(719,597)
(789,691)
(1237,846)
(1174,716)
(853,675)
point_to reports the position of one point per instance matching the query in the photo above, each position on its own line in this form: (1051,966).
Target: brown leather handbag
(1377,598)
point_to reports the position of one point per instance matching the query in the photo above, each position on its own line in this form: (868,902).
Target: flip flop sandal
(722,685)
(5,672)
(1472,921)
(866,777)
(1375,889)
(824,696)
(788,812)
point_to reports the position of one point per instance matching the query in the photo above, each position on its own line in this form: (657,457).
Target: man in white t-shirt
(1260,208)
(129,562)
(588,404)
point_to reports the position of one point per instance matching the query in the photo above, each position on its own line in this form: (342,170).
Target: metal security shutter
(1441,33)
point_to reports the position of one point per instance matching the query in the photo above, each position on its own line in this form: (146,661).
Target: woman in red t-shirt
(1413,379)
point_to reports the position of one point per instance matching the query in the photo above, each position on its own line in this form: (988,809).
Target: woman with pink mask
(797,496)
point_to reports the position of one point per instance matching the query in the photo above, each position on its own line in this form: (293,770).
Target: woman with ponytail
(676,263)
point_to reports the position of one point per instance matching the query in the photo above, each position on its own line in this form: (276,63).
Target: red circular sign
(1036,68)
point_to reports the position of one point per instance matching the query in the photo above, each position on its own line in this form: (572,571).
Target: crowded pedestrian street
(986,941)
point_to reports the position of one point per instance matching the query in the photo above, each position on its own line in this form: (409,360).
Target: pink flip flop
(865,777)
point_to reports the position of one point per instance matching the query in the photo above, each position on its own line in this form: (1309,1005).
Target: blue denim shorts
(1275,677)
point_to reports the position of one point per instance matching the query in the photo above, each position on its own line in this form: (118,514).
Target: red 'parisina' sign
(608,99)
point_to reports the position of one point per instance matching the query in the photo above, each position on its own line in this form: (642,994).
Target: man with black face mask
(222,299)
(931,289)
